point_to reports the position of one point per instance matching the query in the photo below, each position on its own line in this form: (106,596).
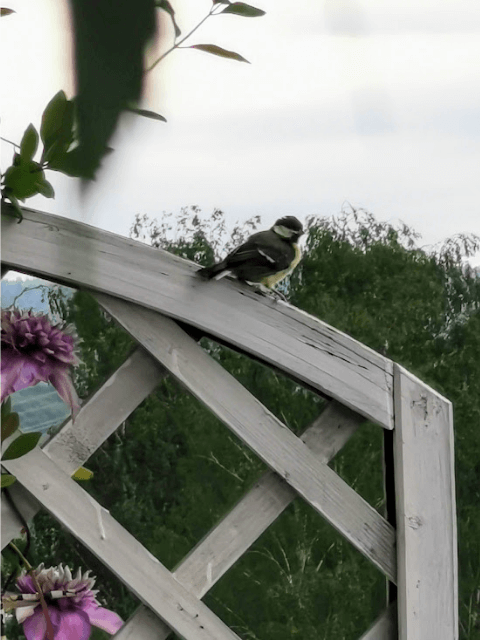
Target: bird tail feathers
(216,271)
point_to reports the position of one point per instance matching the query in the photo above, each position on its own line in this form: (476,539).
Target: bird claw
(262,290)
(279,295)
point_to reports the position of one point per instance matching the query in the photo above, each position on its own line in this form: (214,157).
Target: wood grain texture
(211,558)
(426,518)
(291,340)
(111,405)
(385,627)
(259,508)
(98,418)
(275,444)
(143,625)
(117,549)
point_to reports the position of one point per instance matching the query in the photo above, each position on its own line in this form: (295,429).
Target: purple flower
(71,615)
(34,350)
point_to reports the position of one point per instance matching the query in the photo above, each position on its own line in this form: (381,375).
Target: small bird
(265,258)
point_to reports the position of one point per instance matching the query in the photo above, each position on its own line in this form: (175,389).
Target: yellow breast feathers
(274,279)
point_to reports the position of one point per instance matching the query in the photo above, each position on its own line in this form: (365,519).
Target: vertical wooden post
(426,516)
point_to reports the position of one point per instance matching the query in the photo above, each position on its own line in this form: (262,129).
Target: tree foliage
(172,470)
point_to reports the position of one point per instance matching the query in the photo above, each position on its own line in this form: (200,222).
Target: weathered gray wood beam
(211,558)
(117,549)
(384,627)
(299,344)
(274,443)
(98,418)
(426,518)
(111,405)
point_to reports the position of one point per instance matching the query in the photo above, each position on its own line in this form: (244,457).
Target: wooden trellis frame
(146,290)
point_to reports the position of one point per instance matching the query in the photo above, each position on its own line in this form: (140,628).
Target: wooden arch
(148,291)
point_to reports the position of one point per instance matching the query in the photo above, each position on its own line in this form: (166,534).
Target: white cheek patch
(283,232)
(269,258)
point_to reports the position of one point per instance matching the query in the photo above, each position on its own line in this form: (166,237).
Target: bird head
(289,228)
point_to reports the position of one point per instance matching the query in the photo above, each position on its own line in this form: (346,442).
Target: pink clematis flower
(34,350)
(72,606)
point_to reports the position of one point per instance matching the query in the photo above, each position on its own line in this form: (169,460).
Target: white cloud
(387,119)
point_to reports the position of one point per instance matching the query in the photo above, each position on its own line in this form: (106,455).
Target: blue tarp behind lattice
(39,407)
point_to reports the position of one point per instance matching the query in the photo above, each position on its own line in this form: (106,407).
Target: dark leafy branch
(65,127)
(235,8)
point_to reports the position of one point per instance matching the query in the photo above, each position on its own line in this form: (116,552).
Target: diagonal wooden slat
(261,506)
(237,531)
(143,625)
(133,381)
(111,405)
(295,342)
(311,352)
(354,518)
(95,528)
(384,627)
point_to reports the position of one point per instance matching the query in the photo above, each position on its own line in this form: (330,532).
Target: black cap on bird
(265,258)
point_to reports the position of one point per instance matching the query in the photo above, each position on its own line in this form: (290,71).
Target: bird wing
(263,249)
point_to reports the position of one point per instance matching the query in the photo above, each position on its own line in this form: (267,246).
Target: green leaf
(14,203)
(82,474)
(29,143)
(9,555)
(147,114)
(57,128)
(6,407)
(6,12)
(52,117)
(56,149)
(22,445)
(218,51)
(46,189)
(7,480)
(166,6)
(9,424)
(242,9)
(22,181)
(66,163)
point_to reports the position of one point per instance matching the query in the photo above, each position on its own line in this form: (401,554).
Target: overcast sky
(371,102)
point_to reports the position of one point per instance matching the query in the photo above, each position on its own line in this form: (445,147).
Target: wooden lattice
(146,290)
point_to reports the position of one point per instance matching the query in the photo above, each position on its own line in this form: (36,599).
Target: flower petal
(11,371)
(72,625)
(19,372)
(103,618)
(25,584)
(60,378)
(34,350)
(67,625)
(35,627)
(22,613)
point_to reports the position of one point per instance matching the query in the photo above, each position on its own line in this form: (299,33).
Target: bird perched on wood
(265,258)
